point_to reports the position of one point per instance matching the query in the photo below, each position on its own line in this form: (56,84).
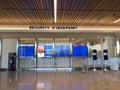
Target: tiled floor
(31,80)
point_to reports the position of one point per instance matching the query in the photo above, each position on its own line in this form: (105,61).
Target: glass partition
(45,53)
(80,49)
(55,53)
(26,53)
(62,53)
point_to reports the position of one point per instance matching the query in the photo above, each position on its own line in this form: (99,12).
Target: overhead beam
(88,29)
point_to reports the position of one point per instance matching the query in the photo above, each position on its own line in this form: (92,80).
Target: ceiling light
(118,47)
(116,21)
(55,11)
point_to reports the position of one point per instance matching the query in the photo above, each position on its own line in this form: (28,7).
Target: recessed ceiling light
(55,11)
(116,21)
(118,47)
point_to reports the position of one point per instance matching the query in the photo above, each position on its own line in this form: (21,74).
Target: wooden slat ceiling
(69,12)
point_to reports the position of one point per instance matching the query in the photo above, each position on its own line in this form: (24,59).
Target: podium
(94,53)
(105,56)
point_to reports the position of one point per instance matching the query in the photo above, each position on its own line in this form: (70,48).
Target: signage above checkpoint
(52,27)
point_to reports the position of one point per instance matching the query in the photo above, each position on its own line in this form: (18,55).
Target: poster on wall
(40,48)
(40,55)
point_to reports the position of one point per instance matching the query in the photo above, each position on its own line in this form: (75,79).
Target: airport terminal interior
(59,44)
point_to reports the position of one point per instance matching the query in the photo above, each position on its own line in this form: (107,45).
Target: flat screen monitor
(58,50)
(30,50)
(62,50)
(66,50)
(22,50)
(83,50)
(80,51)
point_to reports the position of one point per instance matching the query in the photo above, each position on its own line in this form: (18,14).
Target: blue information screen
(48,47)
(22,51)
(62,50)
(58,50)
(48,50)
(26,50)
(80,50)
(66,50)
(83,50)
(30,51)
(76,50)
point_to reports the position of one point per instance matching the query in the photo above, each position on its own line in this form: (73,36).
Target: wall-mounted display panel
(30,50)
(80,51)
(48,47)
(22,50)
(62,49)
(26,50)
